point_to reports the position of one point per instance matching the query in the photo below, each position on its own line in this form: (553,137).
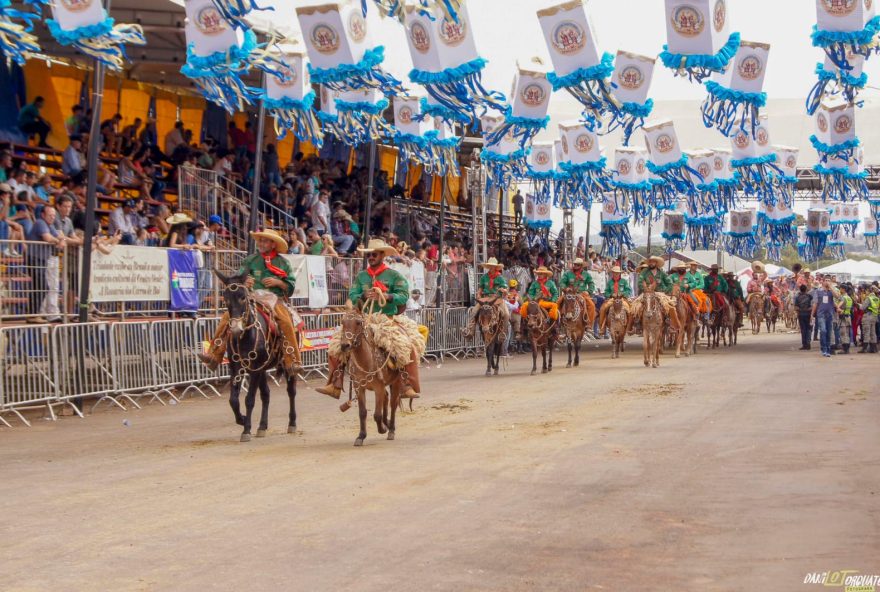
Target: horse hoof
(677,356)
(534,372)
(568,365)
(291,429)
(359,442)
(495,373)
(245,438)
(488,373)
(647,364)
(239,421)
(390,435)
(544,371)
(261,433)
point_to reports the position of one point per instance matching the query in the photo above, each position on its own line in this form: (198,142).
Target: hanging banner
(129,274)
(310,272)
(184,280)
(414,274)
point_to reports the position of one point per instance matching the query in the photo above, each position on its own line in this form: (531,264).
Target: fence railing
(124,362)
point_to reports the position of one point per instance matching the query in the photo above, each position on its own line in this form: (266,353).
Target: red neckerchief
(492,275)
(577,273)
(374,272)
(542,281)
(616,283)
(714,280)
(276,271)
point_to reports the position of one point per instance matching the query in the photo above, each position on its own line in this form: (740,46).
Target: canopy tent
(864,270)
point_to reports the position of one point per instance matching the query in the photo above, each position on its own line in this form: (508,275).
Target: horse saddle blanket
(398,336)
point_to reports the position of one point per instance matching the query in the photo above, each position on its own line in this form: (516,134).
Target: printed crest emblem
(664,143)
(822,122)
(405,115)
(568,38)
(609,207)
(583,143)
(289,79)
(542,158)
(357,26)
(741,140)
(843,124)
(564,145)
(791,162)
(718,163)
(325,38)
(719,15)
(623,167)
(452,33)
(631,78)
(841,7)
(640,166)
(688,21)
(208,20)
(78,5)
(542,210)
(704,169)
(750,68)
(533,95)
(762,137)
(418,36)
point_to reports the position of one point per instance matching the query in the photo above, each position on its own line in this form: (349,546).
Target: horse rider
(695,280)
(770,293)
(714,286)
(513,304)
(543,291)
(273,276)
(492,284)
(654,275)
(372,286)
(582,282)
(845,310)
(756,284)
(679,278)
(735,294)
(871,307)
(616,287)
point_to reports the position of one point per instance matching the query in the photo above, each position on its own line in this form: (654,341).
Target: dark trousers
(40,129)
(804,321)
(517,216)
(38,287)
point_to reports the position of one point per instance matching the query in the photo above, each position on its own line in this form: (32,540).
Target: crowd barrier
(123,363)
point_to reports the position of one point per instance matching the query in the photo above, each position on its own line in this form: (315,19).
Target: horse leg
(496,359)
(534,357)
(569,353)
(395,400)
(577,351)
(234,392)
(381,395)
(362,416)
(291,396)
(490,355)
(249,400)
(264,401)
(550,354)
(543,359)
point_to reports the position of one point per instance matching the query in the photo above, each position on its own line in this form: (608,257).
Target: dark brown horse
(574,314)
(616,320)
(493,328)
(720,321)
(542,334)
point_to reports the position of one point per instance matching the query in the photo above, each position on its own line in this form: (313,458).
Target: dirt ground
(740,469)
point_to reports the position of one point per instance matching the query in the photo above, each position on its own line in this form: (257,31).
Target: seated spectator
(174,138)
(327,248)
(10,230)
(295,245)
(314,242)
(31,123)
(110,135)
(73,160)
(124,220)
(415,300)
(5,165)
(129,135)
(45,191)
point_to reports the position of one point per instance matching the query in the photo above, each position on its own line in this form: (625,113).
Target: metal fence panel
(83,358)
(174,346)
(132,357)
(27,371)
(34,279)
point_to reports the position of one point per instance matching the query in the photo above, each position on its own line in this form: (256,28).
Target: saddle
(719,301)
(269,317)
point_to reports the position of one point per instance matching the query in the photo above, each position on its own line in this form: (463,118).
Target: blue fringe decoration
(758,177)
(725,108)
(363,122)
(503,169)
(542,184)
(838,184)
(104,41)
(816,243)
(638,195)
(524,128)
(584,181)
(617,238)
(781,231)
(591,87)
(741,245)
(703,232)
(460,89)
(843,151)
(296,116)
(837,43)
(677,175)
(234,11)
(698,67)
(366,74)
(836,250)
(436,110)
(840,83)
(728,192)
(629,118)
(330,124)
(16,40)
(663,196)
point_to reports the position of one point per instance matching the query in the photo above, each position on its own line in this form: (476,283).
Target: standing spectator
(237,140)
(321,213)
(823,312)
(174,138)
(64,226)
(73,160)
(110,134)
(73,122)
(250,140)
(124,221)
(5,165)
(271,165)
(31,123)
(38,255)
(9,229)
(415,300)
(315,243)
(517,208)
(130,133)
(803,302)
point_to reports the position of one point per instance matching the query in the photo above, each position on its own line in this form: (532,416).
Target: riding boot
(410,379)
(291,359)
(864,349)
(214,356)
(336,372)
(845,348)
(872,349)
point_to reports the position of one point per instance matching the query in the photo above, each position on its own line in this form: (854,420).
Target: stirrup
(207,360)
(409,393)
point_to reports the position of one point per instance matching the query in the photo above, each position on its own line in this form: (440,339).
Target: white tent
(853,270)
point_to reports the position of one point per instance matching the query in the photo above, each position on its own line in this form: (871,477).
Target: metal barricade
(27,371)
(83,361)
(432,318)
(314,361)
(132,361)
(30,279)
(341,272)
(174,347)
(455,342)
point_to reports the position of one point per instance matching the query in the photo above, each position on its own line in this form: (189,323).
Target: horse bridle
(577,307)
(249,314)
(235,287)
(495,322)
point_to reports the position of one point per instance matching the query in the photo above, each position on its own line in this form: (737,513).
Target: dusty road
(735,470)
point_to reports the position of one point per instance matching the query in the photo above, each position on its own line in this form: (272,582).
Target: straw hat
(757,267)
(377,244)
(178,218)
(715,267)
(274,236)
(578,261)
(543,271)
(616,269)
(659,260)
(680,266)
(693,264)
(493,262)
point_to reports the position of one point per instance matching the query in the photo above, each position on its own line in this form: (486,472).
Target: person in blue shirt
(823,312)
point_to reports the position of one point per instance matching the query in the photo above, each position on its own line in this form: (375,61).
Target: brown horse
(652,316)
(493,328)
(687,317)
(542,334)
(720,321)
(369,368)
(771,314)
(756,311)
(576,316)
(616,320)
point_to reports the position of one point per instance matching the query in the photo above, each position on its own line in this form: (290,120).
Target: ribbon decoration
(802,247)
(630,181)
(693,35)
(341,56)
(706,199)
(419,141)
(540,171)
(741,238)
(327,114)
(447,64)
(871,233)
(786,180)
(17,42)
(703,230)
(667,164)
(631,81)
(90,30)
(832,82)
(841,35)
(615,227)
(726,178)
(736,96)
(396,8)
(843,181)
(755,161)
(673,230)
(505,160)
(537,214)
(290,100)
(234,11)
(874,204)
(527,115)
(844,219)
(817,233)
(360,114)
(583,165)
(776,226)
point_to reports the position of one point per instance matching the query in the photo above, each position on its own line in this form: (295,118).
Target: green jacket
(736,288)
(847,301)
(873,304)
(695,279)
(681,280)
(664,284)
(584,284)
(255,266)
(492,288)
(714,283)
(396,295)
(622,287)
(535,293)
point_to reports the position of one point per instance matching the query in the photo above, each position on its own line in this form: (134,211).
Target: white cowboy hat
(178,218)
(660,260)
(543,271)
(681,265)
(377,244)
(616,269)
(493,262)
(757,267)
(578,261)
(274,236)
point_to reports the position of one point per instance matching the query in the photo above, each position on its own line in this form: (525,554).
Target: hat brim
(389,250)
(280,244)
(493,265)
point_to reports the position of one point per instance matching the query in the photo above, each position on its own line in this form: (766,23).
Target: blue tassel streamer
(366,74)
(296,116)
(725,108)
(330,124)
(741,244)
(436,110)
(831,84)
(460,89)
(674,242)
(844,227)
(758,175)
(234,11)
(815,244)
(584,181)
(703,232)
(677,175)
(786,186)
(871,241)
(636,194)
(838,184)
(17,42)
(777,231)
(838,43)
(104,41)
(592,88)
(663,196)
(728,193)
(542,185)
(836,250)
(617,238)
(503,169)
(629,118)
(362,122)
(698,67)
(843,151)
(524,128)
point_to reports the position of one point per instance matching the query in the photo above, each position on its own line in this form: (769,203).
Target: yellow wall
(135,102)
(60,86)
(192,109)
(166,114)
(388,161)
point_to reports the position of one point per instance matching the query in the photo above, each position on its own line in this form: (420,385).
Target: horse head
(535,318)
(487,317)
(352,329)
(569,308)
(236,297)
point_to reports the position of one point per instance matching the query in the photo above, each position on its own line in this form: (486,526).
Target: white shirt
(414,305)
(320,210)
(119,221)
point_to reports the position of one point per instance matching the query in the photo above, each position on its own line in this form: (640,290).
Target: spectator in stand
(9,229)
(316,245)
(179,231)
(5,165)
(223,166)
(124,220)
(157,225)
(37,258)
(321,213)
(250,140)
(130,134)
(23,210)
(110,135)
(73,160)
(271,166)
(31,123)
(415,301)
(19,183)
(579,251)
(341,230)
(174,138)
(237,140)
(517,208)
(73,122)
(64,225)
(328,249)
(215,228)
(44,189)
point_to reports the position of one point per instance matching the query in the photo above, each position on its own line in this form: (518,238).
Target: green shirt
(873,304)
(396,295)
(736,288)
(622,288)
(847,305)
(583,284)
(28,114)
(695,280)
(535,293)
(663,283)
(490,287)
(316,248)
(714,283)
(681,281)
(255,266)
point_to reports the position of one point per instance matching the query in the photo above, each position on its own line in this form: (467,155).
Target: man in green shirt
(31,123)
(580,280)
(543,291)
(617,286)
(655,276)
(273,277)
(492,285)
(696,280)
(715,287)
(377,289)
